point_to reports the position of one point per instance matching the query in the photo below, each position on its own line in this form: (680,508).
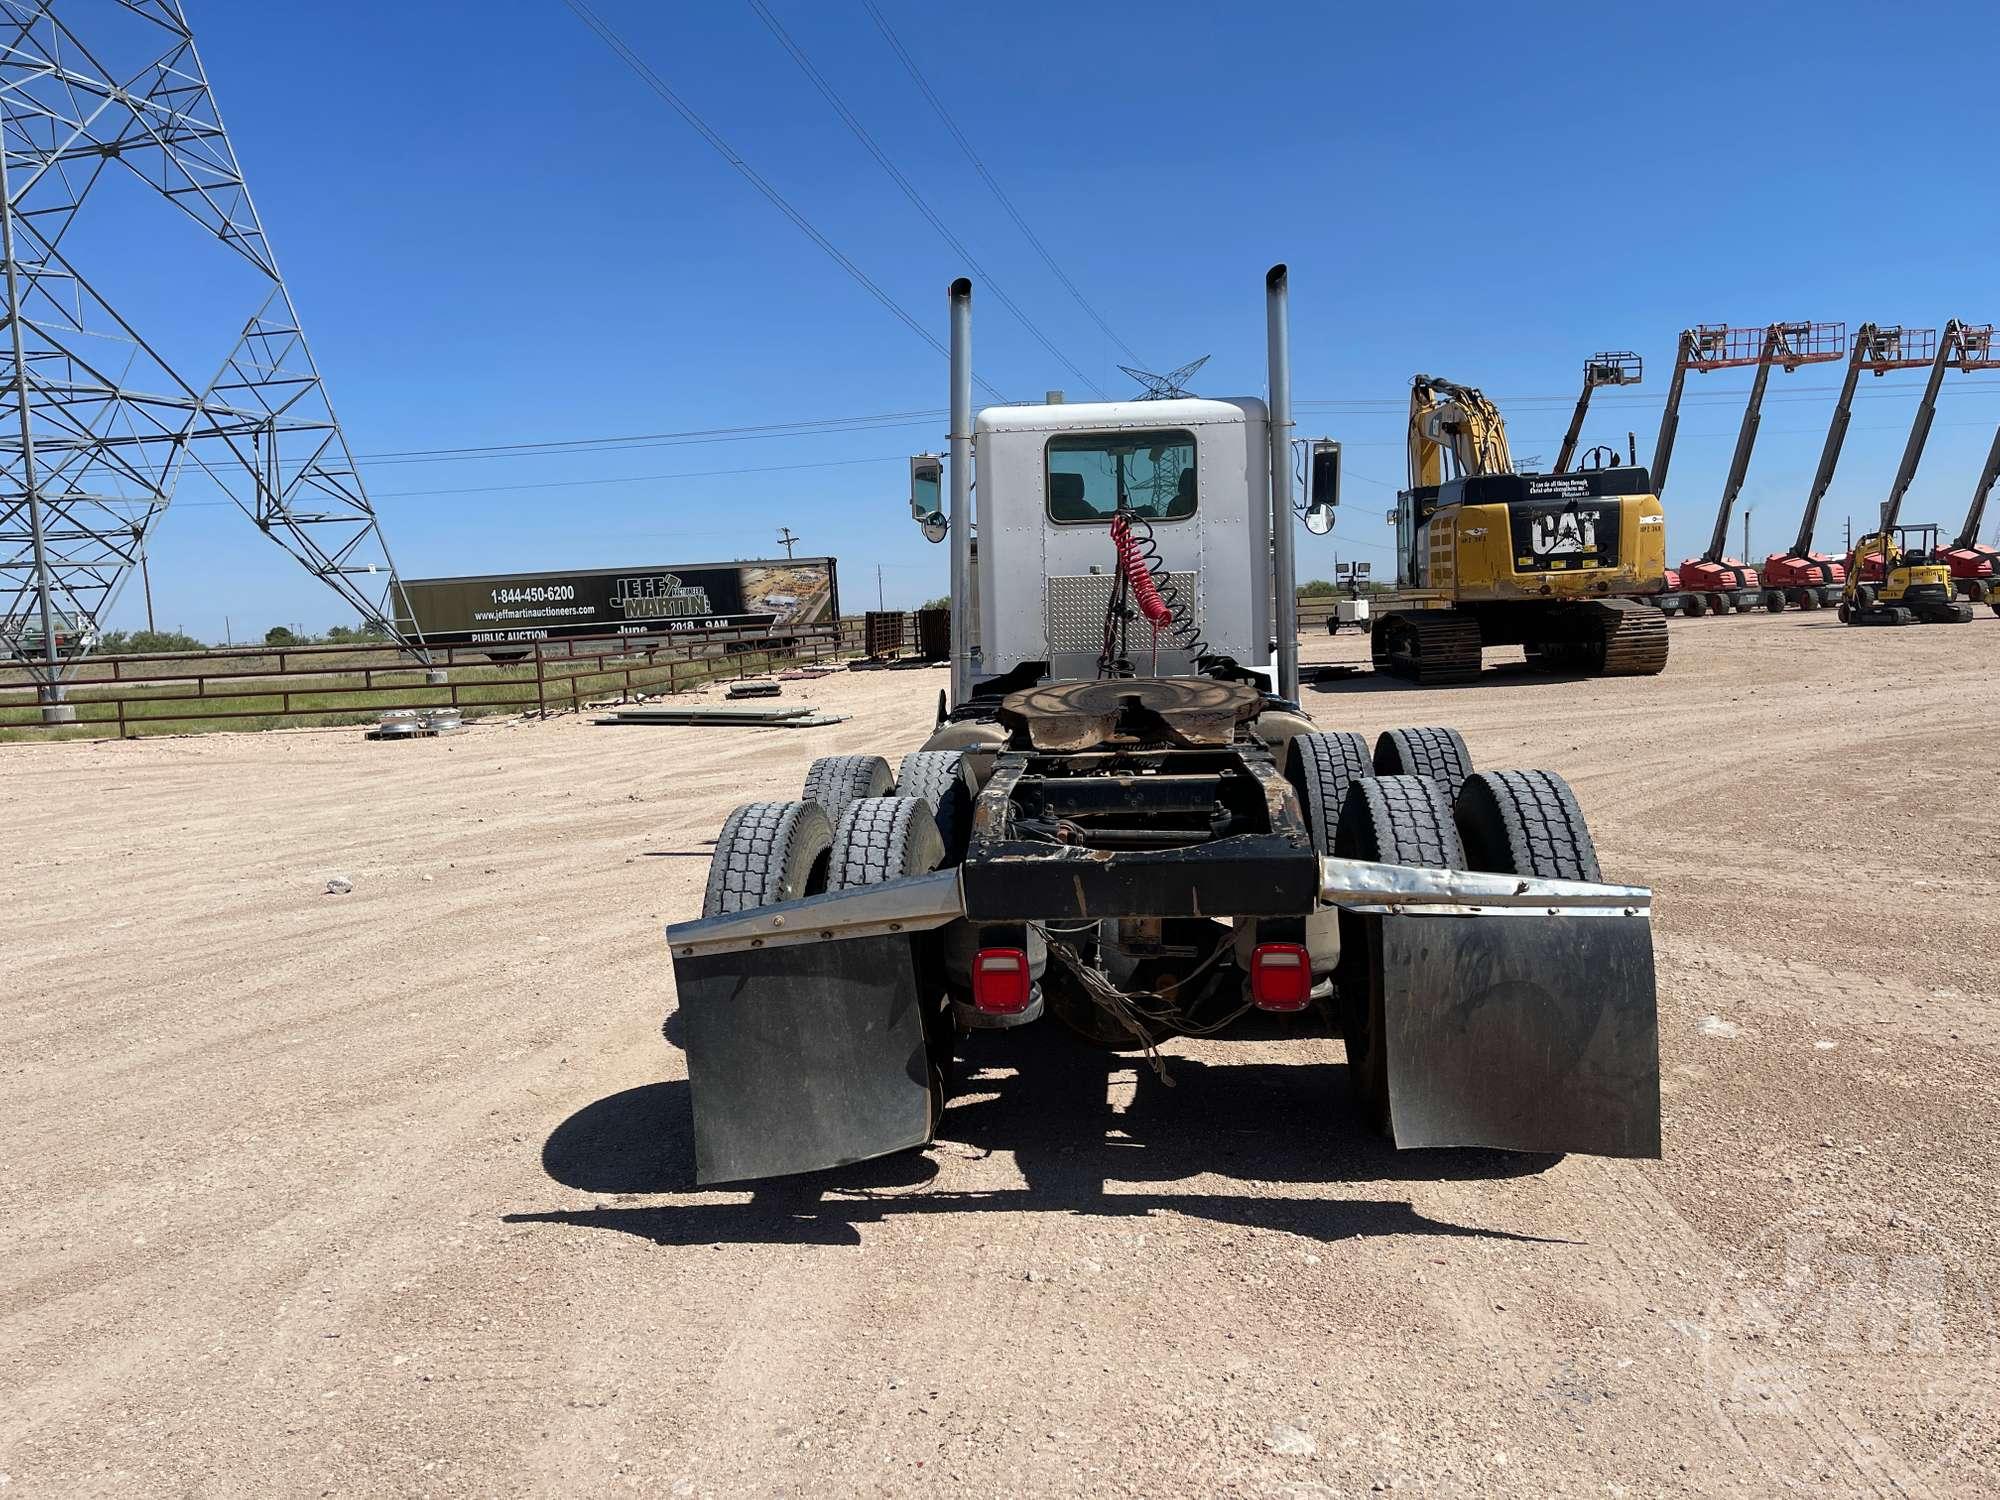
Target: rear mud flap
(1522,1033)
(804,1057)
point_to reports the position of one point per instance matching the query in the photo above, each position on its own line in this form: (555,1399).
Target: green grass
(282,702)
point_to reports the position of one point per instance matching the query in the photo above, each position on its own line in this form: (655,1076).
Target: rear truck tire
(1807,599)
(1434,752)
(1525,823)
(1403,820)
(1865,593)
(1692,606)
(1321,766)
(883,838)
(1430,647)
(1774,601)
(833,781)
(1975,590)
(880,839)
(768,852)
(937,778)
(1720,604)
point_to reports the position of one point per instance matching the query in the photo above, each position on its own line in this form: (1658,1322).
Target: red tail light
(1000,981)
(1280,976)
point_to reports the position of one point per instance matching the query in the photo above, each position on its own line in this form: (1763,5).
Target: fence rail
(260,687)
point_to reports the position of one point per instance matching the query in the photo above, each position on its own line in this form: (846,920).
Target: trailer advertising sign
(503,608)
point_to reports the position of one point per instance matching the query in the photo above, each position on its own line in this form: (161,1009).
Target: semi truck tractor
(1124,823)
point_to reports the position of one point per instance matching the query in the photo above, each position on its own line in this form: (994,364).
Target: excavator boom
(1455,420)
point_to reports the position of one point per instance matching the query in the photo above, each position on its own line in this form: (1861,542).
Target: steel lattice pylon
(97,425)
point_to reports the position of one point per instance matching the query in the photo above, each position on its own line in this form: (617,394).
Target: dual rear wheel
(854,826)
(1431,810)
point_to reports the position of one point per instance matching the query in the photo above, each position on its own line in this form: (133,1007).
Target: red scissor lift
(1715,582)
(1962,346)
(1803,578)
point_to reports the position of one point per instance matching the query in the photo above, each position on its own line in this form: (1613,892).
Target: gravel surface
(388,1190)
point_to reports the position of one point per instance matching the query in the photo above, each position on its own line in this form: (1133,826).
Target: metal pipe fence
(261,686)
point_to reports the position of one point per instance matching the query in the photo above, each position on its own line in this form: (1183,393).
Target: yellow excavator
(1914,586)
(1552,562)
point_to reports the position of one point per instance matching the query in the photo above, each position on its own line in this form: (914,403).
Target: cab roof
(1070,416)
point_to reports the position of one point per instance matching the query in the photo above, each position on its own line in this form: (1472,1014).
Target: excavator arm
(1455,420)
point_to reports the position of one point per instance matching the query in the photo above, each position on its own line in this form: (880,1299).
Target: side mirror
(926,487)
(1323,486)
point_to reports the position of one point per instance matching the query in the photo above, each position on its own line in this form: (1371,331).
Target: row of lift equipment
(1716,583)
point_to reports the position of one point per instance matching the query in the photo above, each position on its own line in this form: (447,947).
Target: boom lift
(1973,562)
(1715,582)
(1803,578)
(1962,346)
(1552,562)
(1142,856)
(1615,367)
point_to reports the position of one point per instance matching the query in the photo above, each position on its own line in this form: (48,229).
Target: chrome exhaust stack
(960,521)
(1277,296)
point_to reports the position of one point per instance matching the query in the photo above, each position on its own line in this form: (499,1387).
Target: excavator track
(1430,647)
(1630,640)
(1635,638)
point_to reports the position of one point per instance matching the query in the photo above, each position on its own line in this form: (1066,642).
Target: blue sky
(496,234)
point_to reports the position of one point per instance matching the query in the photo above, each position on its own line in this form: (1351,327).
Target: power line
(571,484)
(943,114)
(762,429)
(659,86)
(860,133)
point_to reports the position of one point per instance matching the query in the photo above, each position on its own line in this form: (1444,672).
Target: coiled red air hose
(1132,563)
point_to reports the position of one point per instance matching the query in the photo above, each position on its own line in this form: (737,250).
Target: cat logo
(1565,533)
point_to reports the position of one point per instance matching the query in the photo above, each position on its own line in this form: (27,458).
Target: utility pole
(1847,534)
(879,605)
(1747,510)
(787,541)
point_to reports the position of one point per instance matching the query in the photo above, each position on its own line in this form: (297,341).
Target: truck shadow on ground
(1086,1130)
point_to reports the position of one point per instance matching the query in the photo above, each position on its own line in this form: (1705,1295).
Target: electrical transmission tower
(1168,386)
(113,156)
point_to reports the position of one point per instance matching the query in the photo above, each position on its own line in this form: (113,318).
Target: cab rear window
(1090,474)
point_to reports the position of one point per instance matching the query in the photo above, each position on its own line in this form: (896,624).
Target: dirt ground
(389,1192)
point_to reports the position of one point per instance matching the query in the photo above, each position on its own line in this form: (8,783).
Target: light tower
(110,140)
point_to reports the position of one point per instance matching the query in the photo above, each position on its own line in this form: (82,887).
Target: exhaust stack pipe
(961,489)
(1279,336)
